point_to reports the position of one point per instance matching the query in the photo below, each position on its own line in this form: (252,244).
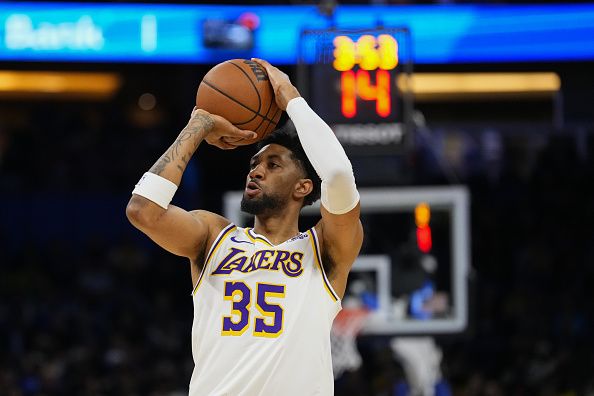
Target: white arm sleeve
(339,192)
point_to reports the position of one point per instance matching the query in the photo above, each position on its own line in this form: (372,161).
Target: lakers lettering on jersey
(262,318)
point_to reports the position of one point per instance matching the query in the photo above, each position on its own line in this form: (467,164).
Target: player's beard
(259,205)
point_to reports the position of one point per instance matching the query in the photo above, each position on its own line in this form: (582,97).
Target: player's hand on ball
(284,90)
(220,132)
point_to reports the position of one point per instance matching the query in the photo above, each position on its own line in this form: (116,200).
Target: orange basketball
(239,90)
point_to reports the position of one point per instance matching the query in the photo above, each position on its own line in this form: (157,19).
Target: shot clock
(375,57)
(350,76)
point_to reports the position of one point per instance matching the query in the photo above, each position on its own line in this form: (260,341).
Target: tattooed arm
(176,230)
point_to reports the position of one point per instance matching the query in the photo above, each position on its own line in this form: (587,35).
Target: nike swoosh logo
(238,241)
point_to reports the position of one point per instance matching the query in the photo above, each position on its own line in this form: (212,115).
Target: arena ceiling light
(63,85)
(439,86)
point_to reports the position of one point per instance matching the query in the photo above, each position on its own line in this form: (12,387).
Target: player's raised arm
(176,230)
(341,233)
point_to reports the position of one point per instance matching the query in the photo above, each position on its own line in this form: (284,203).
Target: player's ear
(303,188)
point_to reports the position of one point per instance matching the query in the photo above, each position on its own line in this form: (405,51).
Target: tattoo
(191,134)
(160,165)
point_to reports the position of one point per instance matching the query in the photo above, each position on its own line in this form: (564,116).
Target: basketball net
(343,335)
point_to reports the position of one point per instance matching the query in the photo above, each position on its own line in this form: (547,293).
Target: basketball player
(264,297)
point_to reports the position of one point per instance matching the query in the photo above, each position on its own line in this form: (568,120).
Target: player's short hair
(286,136)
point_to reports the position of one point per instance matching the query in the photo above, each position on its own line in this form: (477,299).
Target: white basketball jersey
(262,318)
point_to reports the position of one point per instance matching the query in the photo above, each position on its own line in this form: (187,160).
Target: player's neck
(277,228)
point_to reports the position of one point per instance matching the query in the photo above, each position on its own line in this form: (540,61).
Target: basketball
(239,90)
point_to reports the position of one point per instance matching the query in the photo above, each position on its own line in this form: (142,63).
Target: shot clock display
(352,79)
(374,56)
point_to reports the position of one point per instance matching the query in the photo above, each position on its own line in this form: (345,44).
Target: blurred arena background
(470,127)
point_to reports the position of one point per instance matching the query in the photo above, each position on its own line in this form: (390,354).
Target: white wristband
(156,189)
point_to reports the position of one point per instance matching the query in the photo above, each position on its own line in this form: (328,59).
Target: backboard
(409,291)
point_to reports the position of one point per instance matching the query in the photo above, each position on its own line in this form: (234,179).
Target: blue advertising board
(165,33)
